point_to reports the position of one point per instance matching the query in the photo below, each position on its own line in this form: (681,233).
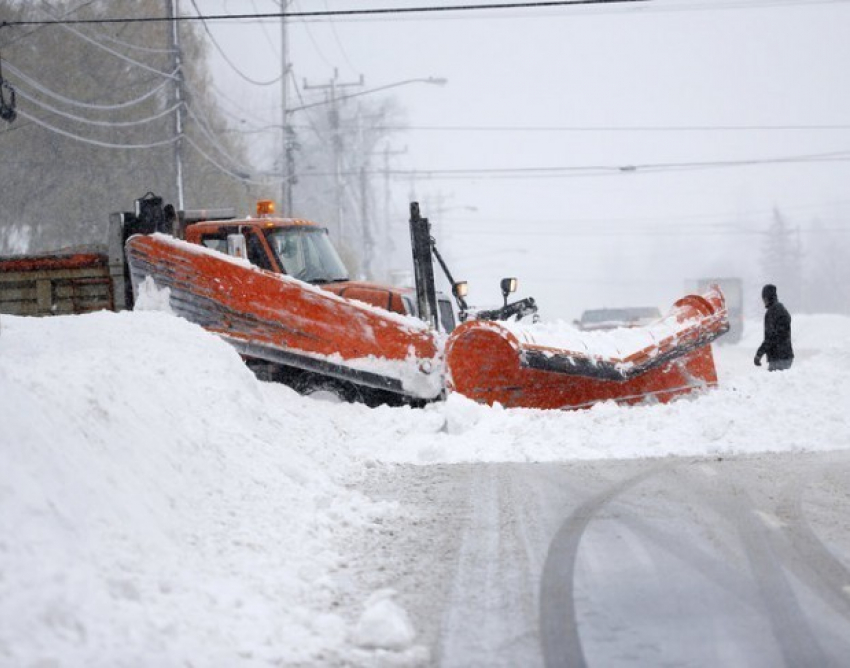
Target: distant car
(612,318)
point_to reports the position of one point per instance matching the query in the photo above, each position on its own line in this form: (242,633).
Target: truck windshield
(307,254)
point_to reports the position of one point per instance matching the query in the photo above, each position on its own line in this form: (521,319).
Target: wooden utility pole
(177,68)
(287,182)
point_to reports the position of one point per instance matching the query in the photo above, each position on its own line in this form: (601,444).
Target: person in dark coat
(777,333)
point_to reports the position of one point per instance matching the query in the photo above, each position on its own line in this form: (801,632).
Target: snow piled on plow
(612,344)
(160,506)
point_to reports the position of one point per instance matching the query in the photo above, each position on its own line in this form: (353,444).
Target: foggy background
(604,155)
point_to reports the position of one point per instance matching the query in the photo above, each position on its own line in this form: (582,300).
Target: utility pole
(368,239)
(387,226)
(287,142)
(177,67)
(336,140)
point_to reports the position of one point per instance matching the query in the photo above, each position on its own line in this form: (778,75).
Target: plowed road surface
(664,562)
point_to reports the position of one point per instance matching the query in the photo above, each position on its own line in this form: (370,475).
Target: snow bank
(156,509)
(752,411)
(162,507)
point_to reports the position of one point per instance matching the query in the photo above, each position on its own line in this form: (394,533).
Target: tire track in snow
(559,635)
(810,558)
(490,617)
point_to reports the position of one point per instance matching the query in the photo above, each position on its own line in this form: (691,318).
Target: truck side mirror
(236,246)
(508,286)
(460,289)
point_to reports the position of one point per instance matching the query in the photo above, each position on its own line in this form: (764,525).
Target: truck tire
(330,389)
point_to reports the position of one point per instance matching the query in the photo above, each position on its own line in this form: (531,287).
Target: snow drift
(160,506)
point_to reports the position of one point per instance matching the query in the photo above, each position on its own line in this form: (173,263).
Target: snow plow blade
(524,366)
(280,319)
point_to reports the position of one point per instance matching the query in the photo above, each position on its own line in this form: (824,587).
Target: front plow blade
(286,321)
(520,366)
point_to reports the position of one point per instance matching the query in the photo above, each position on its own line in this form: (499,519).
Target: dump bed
(61,283)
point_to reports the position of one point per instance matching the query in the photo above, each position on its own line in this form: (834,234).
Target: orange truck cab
(301,249)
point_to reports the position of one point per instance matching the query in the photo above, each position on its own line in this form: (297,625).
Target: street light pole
(436,81)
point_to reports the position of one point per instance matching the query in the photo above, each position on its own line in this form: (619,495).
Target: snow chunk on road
(384,624)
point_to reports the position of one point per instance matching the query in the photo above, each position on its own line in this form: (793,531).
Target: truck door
(225,240)
(258,254)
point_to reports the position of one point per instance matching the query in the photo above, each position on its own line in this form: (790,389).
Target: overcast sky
(667,87)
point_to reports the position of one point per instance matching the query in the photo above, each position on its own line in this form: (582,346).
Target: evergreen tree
(782,261)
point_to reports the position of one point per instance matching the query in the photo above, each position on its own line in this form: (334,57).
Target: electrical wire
(204,124)
(19,38)
(630,231)
(611,128)
(94,142)
(86,105)
(272,45)
(601,170)
(227,59)
(135,47)
(339,41)
(245,178)
(522,173)
(698,219)
(429,10)
(89,121)
(375,11)
(608,10)
(214,141)
(316,46)
(194,95)
(113,52)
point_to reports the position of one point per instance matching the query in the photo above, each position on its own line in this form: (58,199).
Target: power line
(316,46)
(613,128)
(716,219)
(272,44)
(377,11)
(79,103)
(135,47)
(227,59)
(32,32)
(95,142)
(339,42)
(89,121)
(630,231)
(109,50)
(214,141)
(245,178)
(601,170)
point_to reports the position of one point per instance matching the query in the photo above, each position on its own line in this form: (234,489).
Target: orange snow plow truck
(276,289)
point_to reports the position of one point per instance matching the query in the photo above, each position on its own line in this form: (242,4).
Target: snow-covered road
(160,506)
(738,561)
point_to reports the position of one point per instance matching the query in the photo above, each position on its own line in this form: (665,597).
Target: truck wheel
(330,390)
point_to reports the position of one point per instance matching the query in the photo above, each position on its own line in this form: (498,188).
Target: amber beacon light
(265,207)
